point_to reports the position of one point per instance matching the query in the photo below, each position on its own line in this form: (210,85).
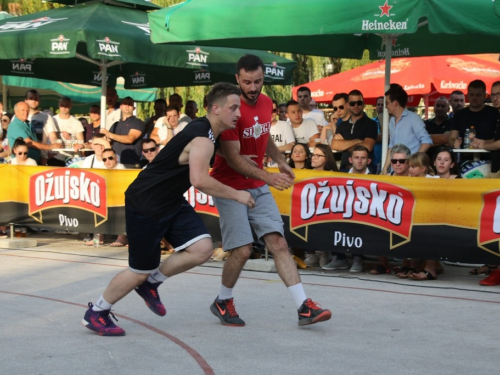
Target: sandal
(91,243)
(406,272)
(422,276)
(483,270)
(380,270)
(118,244)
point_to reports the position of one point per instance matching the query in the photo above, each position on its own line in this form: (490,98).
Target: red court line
(193,353)
(305,283)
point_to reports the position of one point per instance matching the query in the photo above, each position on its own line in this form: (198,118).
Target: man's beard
(249,99)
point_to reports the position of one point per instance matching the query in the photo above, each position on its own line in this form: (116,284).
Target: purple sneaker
(100,322)
(149,292)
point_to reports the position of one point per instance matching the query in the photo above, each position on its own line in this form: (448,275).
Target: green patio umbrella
(85,42)
(335,28)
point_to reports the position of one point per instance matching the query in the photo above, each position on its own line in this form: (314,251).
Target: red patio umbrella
(428,77)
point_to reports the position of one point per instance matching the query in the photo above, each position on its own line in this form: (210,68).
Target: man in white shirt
(305,130)
(176,101)
(110,160)
(281,133)
(167,126)
(304,99)
(98,144)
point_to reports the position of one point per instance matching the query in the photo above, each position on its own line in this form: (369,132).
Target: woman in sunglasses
(20,152)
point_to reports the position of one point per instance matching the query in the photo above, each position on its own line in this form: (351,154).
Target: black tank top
(160,187)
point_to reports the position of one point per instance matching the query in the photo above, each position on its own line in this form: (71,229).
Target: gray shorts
(237,220)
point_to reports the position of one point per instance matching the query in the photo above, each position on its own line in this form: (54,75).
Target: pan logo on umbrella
(59,46)
(108,48)
(138,79)
(28,25)
(384,25)
(98,78)
(197,57)
(202,76)
(274,71)
(22,66)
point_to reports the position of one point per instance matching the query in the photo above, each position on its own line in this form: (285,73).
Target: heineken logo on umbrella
(28,25)
(274,71)
(59,46)
(21,66)
(389,24)
(108,48)
(197,57)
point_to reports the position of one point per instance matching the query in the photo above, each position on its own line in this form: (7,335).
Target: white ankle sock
(298,294)
(225,293)
(157,277)
(101,305)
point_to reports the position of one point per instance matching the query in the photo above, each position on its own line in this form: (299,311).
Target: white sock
(225,293)
(101,305)
(157,277)
(298,294)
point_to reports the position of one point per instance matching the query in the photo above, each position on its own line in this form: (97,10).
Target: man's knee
(203,249)
(275,243)
(242,253)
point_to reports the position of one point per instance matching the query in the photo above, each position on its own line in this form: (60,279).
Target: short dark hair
(456,92)
(360,148)
(496,83)
(282,105)
(291,102)
(109,149)
(64,99)
(304,88)
(219,93)
(161,100)
(355,93)
(477,84)
(172,108)
(341,95)
(275,102)
(95,106)
(32,91)
(148,140)
(174,95)
(249,63)
(397,93)
(191,101)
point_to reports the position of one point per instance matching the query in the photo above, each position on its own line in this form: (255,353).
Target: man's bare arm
(126,139)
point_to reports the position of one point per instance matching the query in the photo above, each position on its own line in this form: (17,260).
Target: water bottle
(472,135)
(96,240)
(466,139)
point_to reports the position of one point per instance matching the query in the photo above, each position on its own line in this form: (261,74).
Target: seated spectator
(99,143)
(110,160)
(359,129)
(4,140)
(445,163)
(322,159)
(149,150)
(20,150)
(126,134)
(419,165)
(167,126)
(305,130)
(300,157)
(360,159)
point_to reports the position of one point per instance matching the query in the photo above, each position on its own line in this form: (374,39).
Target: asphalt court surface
(380,324)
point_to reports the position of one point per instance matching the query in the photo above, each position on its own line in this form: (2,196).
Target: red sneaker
(492,280)
(310,313)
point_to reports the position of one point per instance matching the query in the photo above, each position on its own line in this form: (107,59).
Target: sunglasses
(341,107)
(398,161)
(318,156)
(108,158)
(147,150)
(359,103)
(22,153)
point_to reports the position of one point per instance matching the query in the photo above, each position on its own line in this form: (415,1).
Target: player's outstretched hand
(244,197)
(279,181)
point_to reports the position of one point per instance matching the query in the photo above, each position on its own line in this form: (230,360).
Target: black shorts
(181,228)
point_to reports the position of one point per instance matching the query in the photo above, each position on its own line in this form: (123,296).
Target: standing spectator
(379,119)
(20,127)
(113,114)
(42,123)
(87,129)
(304,100)
(126,134)
(176,101)
(457,102)
(340,113)
(95,119)
(313,104)
(160,108)
(405,127)
(282,112)
(191,109)
(358,130)
(281,133)
(305,130)
(439,127)
(167,127)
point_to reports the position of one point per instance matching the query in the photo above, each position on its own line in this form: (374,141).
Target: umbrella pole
(4,95)
(104,76)
(385,123)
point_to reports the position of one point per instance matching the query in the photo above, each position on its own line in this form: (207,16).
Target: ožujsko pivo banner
(377,215)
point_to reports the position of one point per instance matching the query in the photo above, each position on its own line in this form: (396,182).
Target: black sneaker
(100,322)
(226,312)
(149,292)
(310,313)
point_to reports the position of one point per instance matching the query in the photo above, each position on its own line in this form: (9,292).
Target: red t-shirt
(252,130)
